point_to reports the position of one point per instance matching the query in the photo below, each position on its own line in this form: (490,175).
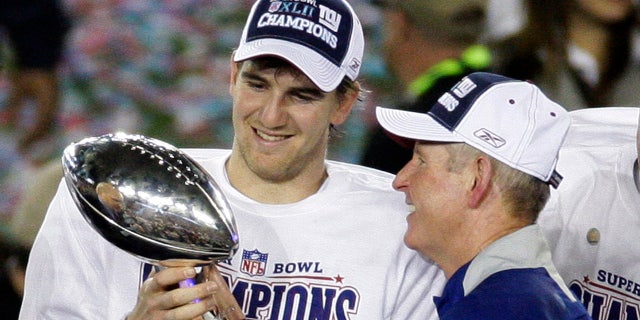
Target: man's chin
(408,240)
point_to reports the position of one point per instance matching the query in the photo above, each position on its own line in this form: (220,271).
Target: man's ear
(233,75)
(483,173)
(345,104)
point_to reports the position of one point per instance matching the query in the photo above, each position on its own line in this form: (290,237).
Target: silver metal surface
(150,199)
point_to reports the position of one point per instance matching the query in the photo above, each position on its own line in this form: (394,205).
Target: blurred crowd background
(158,68)
(161,68)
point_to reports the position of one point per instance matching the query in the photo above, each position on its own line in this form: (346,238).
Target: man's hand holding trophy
(153,201)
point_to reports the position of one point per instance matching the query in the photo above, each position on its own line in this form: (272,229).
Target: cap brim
(414,125)
(318,69)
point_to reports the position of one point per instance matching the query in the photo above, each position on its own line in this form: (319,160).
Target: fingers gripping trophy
(153,201)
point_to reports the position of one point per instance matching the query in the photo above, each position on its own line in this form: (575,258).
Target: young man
(484,157)
(318,239)
(592,219)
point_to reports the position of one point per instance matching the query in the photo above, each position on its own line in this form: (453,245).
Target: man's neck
(274,192)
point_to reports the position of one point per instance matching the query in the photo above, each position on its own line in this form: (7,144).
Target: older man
(484,157)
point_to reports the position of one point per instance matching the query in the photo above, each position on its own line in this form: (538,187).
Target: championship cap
(322,38)
(510,120)
(461,21)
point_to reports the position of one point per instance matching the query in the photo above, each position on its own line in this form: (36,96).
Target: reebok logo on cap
(490,138)
(510,120)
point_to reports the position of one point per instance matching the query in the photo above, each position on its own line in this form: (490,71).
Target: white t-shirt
(592,221)
(338,254)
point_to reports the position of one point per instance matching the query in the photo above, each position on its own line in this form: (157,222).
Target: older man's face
(435,195)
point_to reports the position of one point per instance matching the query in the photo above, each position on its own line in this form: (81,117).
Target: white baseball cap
(322,38)
(510,120)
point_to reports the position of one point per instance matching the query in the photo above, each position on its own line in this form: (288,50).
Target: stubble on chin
(271,168)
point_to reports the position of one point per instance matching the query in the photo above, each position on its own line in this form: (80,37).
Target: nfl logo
(274,6)
(254,263)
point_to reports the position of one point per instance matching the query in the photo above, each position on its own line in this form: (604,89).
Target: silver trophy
(150,199)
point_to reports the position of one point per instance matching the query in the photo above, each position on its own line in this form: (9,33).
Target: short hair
(524,194)
(282,65)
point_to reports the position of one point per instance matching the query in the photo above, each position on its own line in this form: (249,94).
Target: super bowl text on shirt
(608,296)
(292,290)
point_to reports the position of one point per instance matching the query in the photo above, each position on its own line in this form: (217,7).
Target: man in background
(428,46)
(36,30)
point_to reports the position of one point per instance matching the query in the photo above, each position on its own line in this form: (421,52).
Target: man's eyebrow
(251,76)
(310,90)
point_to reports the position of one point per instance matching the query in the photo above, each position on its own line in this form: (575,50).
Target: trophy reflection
(150,199)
